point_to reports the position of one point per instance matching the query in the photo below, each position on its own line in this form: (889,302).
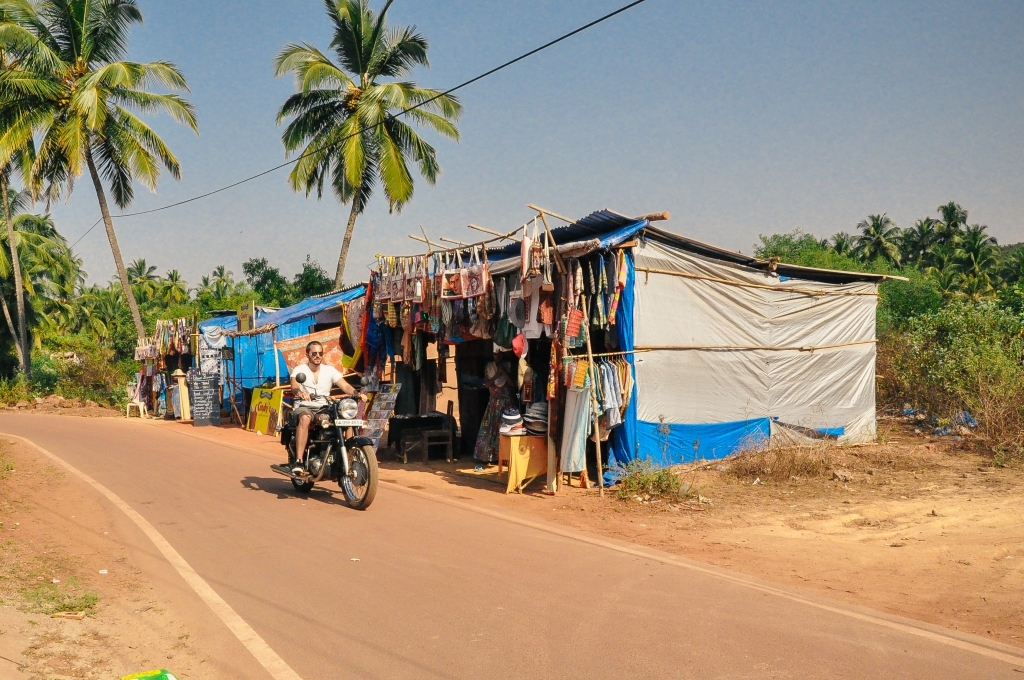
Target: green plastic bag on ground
(151,675)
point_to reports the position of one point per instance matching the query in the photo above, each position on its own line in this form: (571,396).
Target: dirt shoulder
(55,538)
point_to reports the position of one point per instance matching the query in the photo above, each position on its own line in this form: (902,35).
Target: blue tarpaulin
(671,444)
(623,444)
(254,354)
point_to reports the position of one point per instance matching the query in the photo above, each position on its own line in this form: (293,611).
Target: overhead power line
(367,128)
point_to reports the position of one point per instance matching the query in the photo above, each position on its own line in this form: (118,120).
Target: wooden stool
(137,405)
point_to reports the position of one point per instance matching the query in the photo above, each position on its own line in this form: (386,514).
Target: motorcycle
(351,462)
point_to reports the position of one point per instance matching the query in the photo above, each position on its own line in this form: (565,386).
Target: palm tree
(173,288)
(842,243)
(344,113)
(879,238)
(74,90)
(50,271)
(978,254)
(954,219)
(143,278)
(15,201)
(918,240)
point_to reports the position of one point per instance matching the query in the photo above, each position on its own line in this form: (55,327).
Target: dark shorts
(300,411)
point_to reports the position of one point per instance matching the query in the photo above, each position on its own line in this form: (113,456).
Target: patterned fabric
(487,441)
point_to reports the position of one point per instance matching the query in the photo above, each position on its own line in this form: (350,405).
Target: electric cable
(370,127)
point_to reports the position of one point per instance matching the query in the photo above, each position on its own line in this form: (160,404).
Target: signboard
(265,411)
(204,394)
(247,317)
(209,359)
(381,409)
(294,351)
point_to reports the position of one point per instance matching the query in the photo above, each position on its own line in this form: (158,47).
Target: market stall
(609,339)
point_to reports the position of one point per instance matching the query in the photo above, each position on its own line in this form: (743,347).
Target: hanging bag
(398,285)
(536,252)
(454,284)
(383,292)
(476,275)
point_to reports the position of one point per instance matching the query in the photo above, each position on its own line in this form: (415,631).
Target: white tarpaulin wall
(789,357)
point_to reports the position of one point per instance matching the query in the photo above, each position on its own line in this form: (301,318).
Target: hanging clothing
(488,439)
(576,428)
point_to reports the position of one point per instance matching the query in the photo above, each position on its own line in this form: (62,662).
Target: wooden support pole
(277,365)
(593,400)
(554,246)
(426,238)
(506,237)
(458,243)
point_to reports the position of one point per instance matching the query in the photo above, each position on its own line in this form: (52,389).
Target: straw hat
(517,312)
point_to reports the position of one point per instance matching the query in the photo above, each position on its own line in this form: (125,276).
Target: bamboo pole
(593,400)
(492,232)
(277,364)
(426,238)
(554,246)
(458,243)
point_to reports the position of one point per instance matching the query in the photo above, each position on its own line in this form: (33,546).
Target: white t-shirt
(319,385)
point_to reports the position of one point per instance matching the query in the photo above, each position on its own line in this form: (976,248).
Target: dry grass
(782,464)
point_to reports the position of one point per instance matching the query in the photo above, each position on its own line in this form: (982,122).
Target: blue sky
(740,118)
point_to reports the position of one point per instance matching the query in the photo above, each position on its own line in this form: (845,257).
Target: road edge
(250,639)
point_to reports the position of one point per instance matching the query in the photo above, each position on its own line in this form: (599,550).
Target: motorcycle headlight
(349,409)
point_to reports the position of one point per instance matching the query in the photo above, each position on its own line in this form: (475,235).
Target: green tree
(343,114)
(842,243)
(917,242)
(950,228)
(173,289)
(76,92)
(271,287)
(143,279)
(879,238)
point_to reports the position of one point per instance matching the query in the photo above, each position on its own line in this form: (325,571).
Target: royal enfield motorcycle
(351,462)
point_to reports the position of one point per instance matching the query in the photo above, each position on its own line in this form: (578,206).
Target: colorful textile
(487,440)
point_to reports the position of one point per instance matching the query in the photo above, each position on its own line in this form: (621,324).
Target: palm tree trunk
(10,324)
(345,244)
(122,273)
(20,340)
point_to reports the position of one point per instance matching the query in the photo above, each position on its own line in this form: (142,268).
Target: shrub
(642,478)
(965,356)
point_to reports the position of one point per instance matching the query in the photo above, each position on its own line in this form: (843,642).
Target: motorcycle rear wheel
(360,487)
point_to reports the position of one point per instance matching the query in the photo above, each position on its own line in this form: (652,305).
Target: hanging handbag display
(383,291)
(476,275)
(453,285)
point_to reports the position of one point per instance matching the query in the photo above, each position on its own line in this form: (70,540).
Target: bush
(965,356)
(642,478)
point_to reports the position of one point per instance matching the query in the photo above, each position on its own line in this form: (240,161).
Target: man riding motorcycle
(311,395)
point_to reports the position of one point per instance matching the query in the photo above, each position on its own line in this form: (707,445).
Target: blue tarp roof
(311,306)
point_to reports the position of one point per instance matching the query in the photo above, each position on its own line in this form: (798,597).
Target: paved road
(442,591)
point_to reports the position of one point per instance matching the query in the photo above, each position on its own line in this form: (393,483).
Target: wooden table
(527,458)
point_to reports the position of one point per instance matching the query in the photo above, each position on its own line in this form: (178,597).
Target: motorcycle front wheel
(360,486)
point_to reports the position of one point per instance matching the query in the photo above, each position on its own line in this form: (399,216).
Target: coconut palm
(173,288)
(917,241)
(143,278)
(14,201)
(74,90)
(49,271)
(952,224)
(879,239)
(978,253)
(842,243)
(344,113)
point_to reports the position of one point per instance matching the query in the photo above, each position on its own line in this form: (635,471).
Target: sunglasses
(316,354)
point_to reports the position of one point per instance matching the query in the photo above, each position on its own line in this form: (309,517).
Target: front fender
(354,442)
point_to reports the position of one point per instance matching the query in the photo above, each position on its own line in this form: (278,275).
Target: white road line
(256,645)
(665,558)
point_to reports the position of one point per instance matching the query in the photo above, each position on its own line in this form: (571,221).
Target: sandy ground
(56,528)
